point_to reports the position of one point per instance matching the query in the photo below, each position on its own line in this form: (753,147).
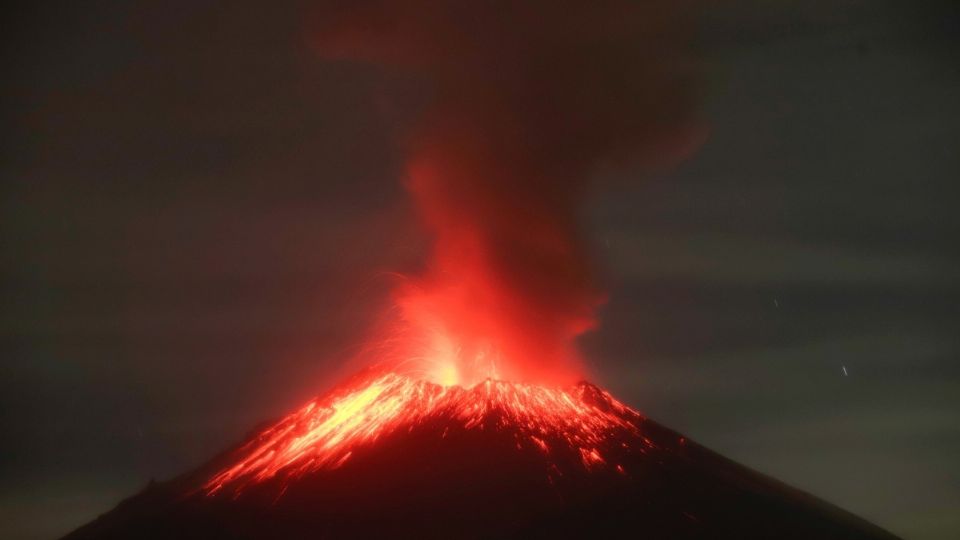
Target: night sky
(201,219)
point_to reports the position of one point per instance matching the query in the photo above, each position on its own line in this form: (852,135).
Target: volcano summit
(388,455)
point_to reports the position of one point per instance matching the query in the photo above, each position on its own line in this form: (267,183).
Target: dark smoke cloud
(526,100)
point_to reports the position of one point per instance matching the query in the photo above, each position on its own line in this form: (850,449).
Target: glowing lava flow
(327,431)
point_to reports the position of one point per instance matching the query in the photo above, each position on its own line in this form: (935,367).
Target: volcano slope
(387,456)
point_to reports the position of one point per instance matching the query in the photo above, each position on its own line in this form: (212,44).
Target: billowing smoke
(526,100)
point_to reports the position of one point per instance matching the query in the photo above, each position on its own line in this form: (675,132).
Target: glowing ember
(327,431)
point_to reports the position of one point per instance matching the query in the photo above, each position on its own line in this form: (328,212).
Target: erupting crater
(558,423)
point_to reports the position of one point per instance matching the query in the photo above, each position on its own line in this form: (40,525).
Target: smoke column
(526,100)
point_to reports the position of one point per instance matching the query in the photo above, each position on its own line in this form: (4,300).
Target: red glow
(326,432)
(507,287)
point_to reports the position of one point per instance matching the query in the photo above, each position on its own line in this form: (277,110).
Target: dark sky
(201,217)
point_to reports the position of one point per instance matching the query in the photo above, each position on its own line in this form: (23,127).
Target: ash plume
(526,100)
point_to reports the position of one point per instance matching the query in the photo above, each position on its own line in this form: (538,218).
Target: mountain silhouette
(385,455)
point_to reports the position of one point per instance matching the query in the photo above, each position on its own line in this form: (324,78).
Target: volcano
(387,455)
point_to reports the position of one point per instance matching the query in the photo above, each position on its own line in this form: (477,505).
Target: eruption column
(525,101)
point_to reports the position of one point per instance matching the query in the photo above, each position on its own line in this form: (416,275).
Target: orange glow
(326,432)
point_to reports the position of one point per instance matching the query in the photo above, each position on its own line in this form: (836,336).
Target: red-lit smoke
(526,99)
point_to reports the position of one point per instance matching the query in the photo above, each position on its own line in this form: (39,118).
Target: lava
(325,433)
